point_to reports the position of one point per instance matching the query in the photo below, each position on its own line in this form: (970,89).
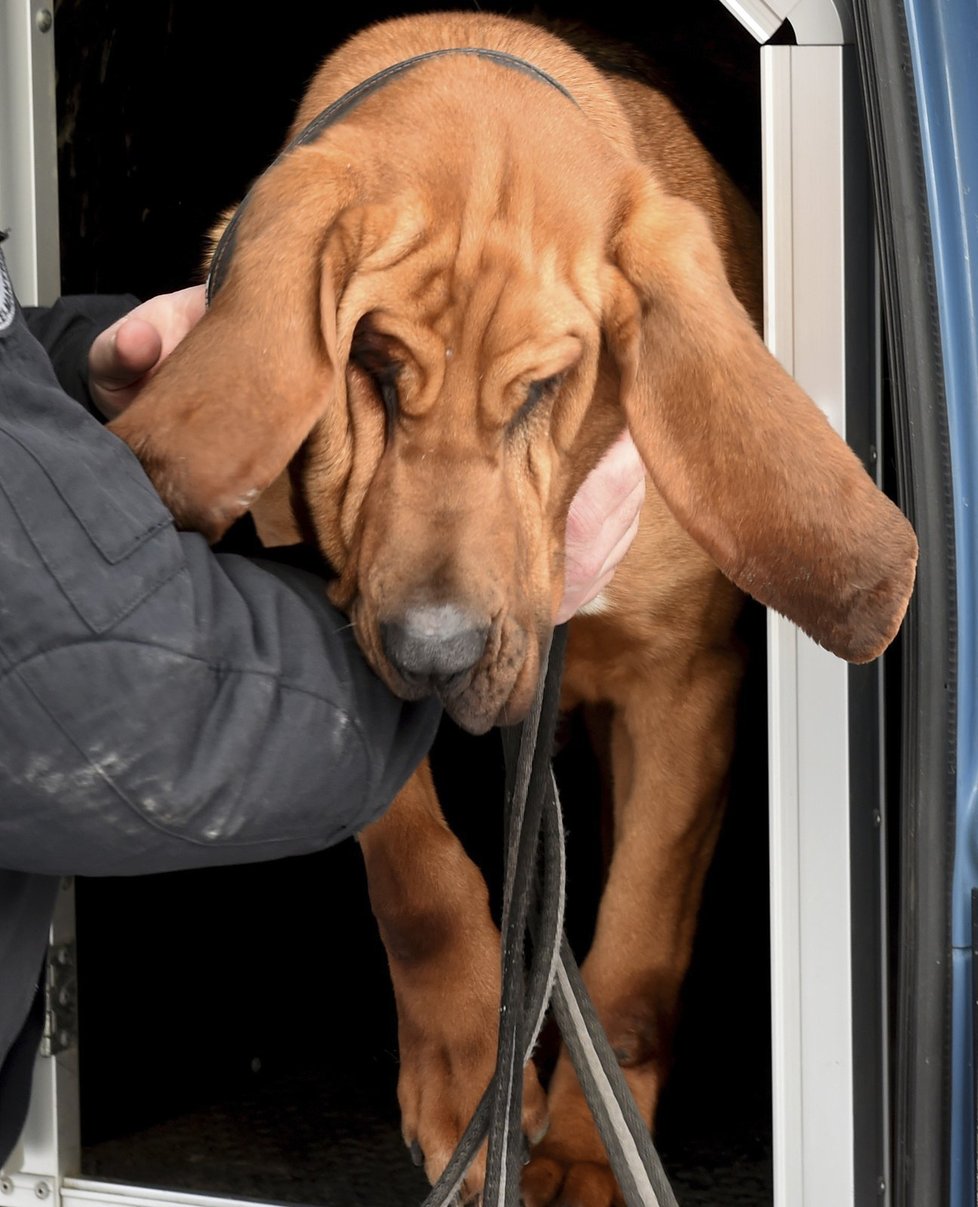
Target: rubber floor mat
(306,1139)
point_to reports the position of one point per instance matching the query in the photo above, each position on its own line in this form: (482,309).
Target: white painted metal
(80,1192)
(49,1146)
(22,1190)
(805,205)
(28,149)
(815,22)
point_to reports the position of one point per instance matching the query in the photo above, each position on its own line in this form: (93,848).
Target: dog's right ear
(224,414)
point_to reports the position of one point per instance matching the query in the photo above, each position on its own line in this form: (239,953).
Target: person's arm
(163,706)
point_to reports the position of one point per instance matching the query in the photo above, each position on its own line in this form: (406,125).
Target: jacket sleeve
(164,706)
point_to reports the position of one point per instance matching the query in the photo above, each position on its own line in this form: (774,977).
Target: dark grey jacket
(161,706)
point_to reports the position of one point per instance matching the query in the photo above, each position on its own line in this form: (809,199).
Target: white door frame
(28,149)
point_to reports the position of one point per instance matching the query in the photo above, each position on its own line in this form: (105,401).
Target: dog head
(448,311)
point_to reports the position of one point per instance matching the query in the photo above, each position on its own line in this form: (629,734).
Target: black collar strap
(341,107)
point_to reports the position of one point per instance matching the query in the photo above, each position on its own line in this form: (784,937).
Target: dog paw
(438,1101)
(555,1177)
(570,1166)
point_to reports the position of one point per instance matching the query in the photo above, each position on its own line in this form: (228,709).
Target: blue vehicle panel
(944,49)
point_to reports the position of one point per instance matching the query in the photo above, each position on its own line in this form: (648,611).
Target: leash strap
(523,835)
(533,789)
(623,1132)
(533,905)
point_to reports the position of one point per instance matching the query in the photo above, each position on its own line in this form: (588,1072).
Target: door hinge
(60,1001)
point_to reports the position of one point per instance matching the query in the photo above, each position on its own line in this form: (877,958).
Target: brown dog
(451,299)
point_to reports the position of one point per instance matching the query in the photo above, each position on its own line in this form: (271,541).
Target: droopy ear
(231,405)
(745,460)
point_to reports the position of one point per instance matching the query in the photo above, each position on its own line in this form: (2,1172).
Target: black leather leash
(533,909)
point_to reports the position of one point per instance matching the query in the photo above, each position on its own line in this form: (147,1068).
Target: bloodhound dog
(478,258)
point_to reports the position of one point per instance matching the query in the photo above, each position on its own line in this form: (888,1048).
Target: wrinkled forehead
(528,280)
(481,294)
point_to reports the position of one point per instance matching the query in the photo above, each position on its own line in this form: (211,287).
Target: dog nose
(433,643)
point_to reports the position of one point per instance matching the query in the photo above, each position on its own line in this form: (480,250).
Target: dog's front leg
(671,744)
(432,907)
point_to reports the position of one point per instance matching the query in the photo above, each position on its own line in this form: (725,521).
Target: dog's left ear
(227,410)
(746,461)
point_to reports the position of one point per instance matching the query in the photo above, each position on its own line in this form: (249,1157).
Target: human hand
(124,356)
(601,524)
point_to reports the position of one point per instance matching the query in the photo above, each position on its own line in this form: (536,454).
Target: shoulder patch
(6,296)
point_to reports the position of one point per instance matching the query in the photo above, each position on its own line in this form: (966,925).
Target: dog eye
(382,371)
(539,390)
(385,381)
(536,392)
